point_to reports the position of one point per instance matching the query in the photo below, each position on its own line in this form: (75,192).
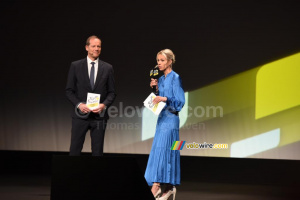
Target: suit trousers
(79,130)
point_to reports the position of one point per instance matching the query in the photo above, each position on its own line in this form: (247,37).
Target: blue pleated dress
(163,163)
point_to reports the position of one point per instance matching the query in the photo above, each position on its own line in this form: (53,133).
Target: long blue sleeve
(171,87)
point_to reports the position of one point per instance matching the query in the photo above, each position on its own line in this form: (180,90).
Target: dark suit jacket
(78,85)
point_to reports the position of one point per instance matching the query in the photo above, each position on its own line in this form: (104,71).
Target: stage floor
(37,187)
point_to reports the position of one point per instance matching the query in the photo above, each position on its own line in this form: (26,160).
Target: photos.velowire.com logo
(178,145)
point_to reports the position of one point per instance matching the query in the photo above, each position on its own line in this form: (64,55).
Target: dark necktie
(92,75)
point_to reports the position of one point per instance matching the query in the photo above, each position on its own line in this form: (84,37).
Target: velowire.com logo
(178,145)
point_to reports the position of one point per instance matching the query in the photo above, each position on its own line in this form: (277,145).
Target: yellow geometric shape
(278,86)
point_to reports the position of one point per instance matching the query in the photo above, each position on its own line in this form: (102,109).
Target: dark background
(211,40)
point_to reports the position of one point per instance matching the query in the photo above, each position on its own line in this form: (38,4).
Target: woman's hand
(159,99)
(153,82)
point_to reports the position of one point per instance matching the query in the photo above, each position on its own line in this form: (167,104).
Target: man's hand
(100,108)
(83,108)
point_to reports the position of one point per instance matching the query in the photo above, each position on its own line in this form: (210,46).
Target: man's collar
(95,61)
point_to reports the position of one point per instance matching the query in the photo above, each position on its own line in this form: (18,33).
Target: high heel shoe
(170,192)
(157,194)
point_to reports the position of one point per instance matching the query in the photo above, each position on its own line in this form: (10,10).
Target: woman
(164,164)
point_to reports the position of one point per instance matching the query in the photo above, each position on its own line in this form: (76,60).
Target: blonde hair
(168,53)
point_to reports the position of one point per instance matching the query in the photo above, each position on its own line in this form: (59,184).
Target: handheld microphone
(154,73)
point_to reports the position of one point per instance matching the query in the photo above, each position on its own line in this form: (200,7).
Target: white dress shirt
(95,66)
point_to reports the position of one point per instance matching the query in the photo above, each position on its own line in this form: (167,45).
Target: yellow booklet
(155,108)
(93,100)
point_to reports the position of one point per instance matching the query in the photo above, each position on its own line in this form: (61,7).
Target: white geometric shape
(149,120)
(183,114)
(255,144)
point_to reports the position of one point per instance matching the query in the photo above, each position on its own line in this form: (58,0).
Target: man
(90,75)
